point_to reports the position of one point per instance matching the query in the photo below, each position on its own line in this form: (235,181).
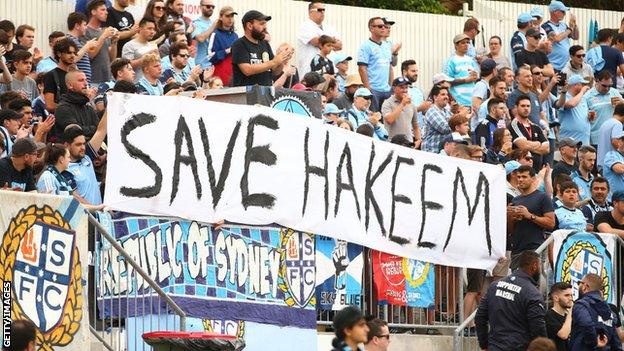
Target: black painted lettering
(134,122)
(315,170)
(427,205)
(259,154)
(398,198)
(483,186)
(217,185)
(183,133)
(345,161)
(369,196)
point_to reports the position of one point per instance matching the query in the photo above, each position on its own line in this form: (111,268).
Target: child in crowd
(559,179)
(459,125)
(38,104)
(341,63)
(567,216)
(321,63)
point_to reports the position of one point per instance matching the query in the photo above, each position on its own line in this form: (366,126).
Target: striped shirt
(458,67)
(84,64)
(436,128)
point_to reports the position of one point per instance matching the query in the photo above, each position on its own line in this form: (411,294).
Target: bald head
(76,81)
(593,281)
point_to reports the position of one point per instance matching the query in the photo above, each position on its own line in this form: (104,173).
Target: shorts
(476,279)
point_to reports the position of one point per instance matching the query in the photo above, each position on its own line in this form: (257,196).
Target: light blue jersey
(357,118)
(202,57)
(570,219)
(86,182)
(377,58)
(560,54)
(46,65)
(418,98)
(574,121)
(601,103)
(459,67)
(616,181)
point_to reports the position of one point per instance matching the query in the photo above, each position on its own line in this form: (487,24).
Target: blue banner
(339,267)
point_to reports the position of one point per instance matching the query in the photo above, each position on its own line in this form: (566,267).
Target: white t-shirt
(305,51)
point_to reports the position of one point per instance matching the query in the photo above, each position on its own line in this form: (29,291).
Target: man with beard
(74,107)
(123,21)
(559,317)
(530,214)
(409,70)
(352,84)
(513,308)
(598,201)
(203,28)
(65,52)
(137,49)
(252,57)
(16,170)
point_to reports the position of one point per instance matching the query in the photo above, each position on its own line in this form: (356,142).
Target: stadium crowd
(547,112)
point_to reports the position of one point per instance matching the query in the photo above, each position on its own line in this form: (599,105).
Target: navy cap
(617,196)
(400,81)
(255,15)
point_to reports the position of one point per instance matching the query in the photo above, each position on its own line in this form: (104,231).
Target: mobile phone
(562,79)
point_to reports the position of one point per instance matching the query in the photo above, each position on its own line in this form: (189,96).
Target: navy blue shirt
(612,59)
(527,235)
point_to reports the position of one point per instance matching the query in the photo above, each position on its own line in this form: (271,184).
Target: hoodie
(592,316)
(74,108)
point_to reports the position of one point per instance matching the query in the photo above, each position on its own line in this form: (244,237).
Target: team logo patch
(578,257)
(225,327)
(292,104)
(415,271)
(298,272)
(39,256)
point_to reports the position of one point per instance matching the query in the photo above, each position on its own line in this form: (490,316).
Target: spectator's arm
(606,228)
(548,70)
(545,94)
(564,332)
(364,75)
(524,144)
(49,102)
(201,37)
(100,133)
(547,221)
(543,149)
(6,74)
(573,102)
(249,70)
(390,115)
(618,168)
(535,318)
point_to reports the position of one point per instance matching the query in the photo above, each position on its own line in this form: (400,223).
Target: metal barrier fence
(445,315)
(466,342)
(124,300)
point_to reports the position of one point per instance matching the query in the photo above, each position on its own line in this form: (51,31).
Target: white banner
(206,161)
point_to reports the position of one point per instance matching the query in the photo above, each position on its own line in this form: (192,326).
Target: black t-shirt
(11,177)
(554,322)
(607,217)
(612,60)
(563,167)
(530,132)
(244,51)
(54,82)
(526,234)
(322,65)
(120,20)
(536,57)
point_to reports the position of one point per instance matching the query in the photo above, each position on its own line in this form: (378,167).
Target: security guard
(513,309)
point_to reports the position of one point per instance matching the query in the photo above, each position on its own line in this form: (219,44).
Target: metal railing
(441,318)
(463,341)
(124,301)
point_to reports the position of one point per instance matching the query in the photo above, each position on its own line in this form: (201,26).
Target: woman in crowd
(156,9)
(222,39)
(500,148)
(51,180)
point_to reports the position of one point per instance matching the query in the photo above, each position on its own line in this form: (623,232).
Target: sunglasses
(321,10)
(209,6)
(580,56)
(159,8)
(184,55)
(366,97)
(528,158)
(538,73)
(606,85)
(380,26)
(387,336)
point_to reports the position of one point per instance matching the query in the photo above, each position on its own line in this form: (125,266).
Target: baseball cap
(575,79)
(525,17)
(6,114)
(617,196)
(557,6)
(255,15)
(441,77)
(227,10)
(532,32)
(400,81)
(362,92)
(353,79)
(387,21)
(346,318)
(460,37)
(340,57)
(331,108)
(312,79)
(571,142)
(511,166)
(537,12)
(488,65)
(25,146)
